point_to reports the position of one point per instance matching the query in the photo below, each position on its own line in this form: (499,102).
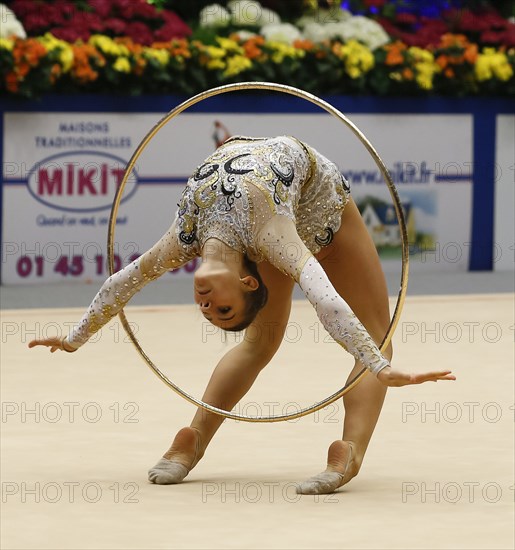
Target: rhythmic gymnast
(264,214)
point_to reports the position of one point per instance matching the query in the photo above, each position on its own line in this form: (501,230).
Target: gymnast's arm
(118,289)
(279,242)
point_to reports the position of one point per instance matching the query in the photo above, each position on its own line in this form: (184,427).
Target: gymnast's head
(229,294)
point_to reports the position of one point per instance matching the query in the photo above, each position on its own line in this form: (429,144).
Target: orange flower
(252,47)
(30,50)
(337,49)
(55,73)
(442,61)
(407,74)
(449,40)
(11,82)
(306,45)
(251,50)
(35,52)
(258,40)
(139,68)
(179,48)
(22,70)
(449,72)
(82,69)
(470,54)
(394,53)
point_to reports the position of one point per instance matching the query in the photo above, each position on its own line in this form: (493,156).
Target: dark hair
(254,300)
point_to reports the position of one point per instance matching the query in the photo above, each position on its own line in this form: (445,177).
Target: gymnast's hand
(54,344)
(392,377)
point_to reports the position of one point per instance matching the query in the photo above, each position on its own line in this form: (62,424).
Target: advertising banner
(61,171)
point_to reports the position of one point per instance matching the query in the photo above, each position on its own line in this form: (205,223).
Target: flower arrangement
(321,53)
(72,21)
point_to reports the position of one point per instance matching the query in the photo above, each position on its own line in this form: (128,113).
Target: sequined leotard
(248,180)
(274,199)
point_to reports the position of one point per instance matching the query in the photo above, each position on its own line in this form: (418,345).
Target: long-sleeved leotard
(275,199)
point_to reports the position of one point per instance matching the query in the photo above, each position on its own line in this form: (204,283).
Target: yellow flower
(482,68)
(425,67)
(122,65)
(52,43)
(229,45)
(66,58)
(215,64)
(214,52)
(421,55)
(6,44)
(161,56)
(108,46)
(237,64)
(425,81)
(491,64)
(49,41)
(283,50)
(358,59)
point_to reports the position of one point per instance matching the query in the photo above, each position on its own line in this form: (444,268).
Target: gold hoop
(269,86)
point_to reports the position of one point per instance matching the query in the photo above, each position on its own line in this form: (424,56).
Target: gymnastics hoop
(270,86)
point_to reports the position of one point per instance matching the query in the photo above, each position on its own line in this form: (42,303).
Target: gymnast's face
(220,296)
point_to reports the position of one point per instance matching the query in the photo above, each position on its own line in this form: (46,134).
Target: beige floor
(79,432)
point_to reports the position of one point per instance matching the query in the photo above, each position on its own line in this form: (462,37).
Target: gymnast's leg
(352,264)
(231,380)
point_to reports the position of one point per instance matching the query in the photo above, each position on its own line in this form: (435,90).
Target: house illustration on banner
(381,222)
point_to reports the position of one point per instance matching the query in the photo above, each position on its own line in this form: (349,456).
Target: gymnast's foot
(177,462)
(340,462)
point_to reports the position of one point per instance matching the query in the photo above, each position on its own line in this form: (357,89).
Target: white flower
(284,32)
(363,29)
(245,35)
(9,25)
(337,30)
(323,17)
(268,17)
(214,15)
(251,13)
(315,32)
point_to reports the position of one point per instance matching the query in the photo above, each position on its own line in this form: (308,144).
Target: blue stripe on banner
(16,181)
(481,251)
(455,177)
(163,181)
(249,102)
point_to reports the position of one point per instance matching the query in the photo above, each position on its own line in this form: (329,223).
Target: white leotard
(270,198)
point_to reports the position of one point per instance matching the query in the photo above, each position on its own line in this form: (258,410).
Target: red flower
(70,34)
(174,27)
(124,7)
(406,18)
(115,25)
(85,20)
(492,37)
(375,3)
(509,36)
(494,20)
(64,10)
(140,8)
(139,32)
(22,8)
(35,22)
(472,22)
(101,7)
